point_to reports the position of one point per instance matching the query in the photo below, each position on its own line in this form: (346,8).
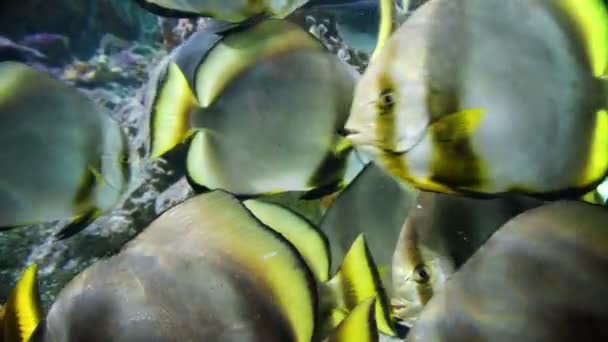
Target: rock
(83,21)
(55,46)
(11,51)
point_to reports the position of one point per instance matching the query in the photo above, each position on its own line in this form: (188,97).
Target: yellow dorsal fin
(170,112)
(457,126)
(591,20)
(305,237)
(22,310)
(356,281)
(359,326)
(386,25)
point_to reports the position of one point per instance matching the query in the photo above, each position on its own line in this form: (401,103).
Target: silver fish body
(541,277)
(463,100)
(61,157)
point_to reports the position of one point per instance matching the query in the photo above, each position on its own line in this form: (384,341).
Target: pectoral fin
(457,126)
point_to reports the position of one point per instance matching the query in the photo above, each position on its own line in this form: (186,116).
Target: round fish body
(262,106)
(440,234)
(206,270)
(61,157)
(461,99)
(229,10)
(541,277)
(274,125)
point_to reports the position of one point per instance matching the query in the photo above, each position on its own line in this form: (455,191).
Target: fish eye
(421,274)
(386,101)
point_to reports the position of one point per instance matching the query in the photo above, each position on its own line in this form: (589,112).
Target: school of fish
(460,179)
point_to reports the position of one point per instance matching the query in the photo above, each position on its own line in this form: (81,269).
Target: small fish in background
(209,270)
(461,100)
(541,277)
(21,314)
(373,204)
(261,106)
(440,234)
(62,158)
(227,10)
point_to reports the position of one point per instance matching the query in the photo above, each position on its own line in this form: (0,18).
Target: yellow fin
(598,156)
(169,120)
(593,197)
(305,237)
(358,280)
(591,20)
(457,126)
(386,25)
(22,310)
(343,144)
(98,177)
(359,326)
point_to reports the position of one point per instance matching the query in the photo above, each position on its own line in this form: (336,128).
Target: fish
(21,314)
(440,234)
(462,101)
(261,110)
(208,270)
(229,10)
(62,157)
(374,204)
(541,277)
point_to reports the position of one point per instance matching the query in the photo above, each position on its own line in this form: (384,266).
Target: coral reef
(83,21)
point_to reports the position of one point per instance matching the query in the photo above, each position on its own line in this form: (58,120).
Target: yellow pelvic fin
(597,164)
(386,25)
(359,326)
(169,120)
(591,20)
(356,281)
(457,126)
(343,144)
(22,311)
(301,233)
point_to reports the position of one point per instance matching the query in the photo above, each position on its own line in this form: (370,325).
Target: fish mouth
(403,311)
(403,146)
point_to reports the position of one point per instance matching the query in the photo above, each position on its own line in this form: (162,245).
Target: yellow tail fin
(359,326)
(170,111)
(357,280)
(21,314)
